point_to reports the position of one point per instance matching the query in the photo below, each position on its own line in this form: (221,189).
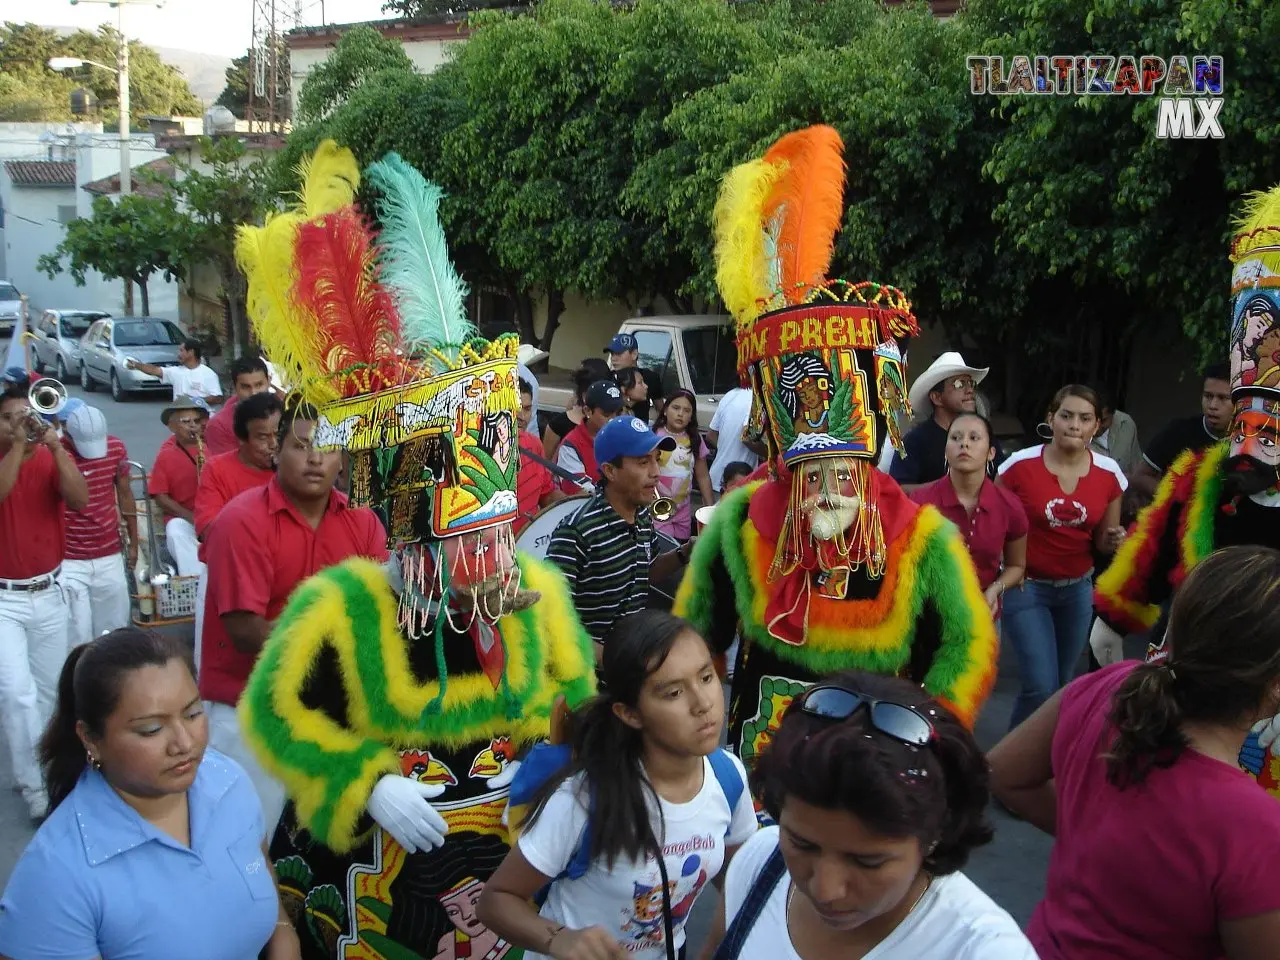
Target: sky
(220,27)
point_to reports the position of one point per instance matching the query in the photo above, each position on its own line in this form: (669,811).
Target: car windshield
(146,333)
(77,324)
(713,359)
(9,292)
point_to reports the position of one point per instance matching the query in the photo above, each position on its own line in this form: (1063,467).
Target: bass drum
(536,538)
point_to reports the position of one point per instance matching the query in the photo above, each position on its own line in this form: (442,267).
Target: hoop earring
(1044,431)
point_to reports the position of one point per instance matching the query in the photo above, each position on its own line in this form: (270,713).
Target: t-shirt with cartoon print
(627,900)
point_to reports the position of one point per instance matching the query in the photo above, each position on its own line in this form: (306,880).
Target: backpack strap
(730,780)
(766,882)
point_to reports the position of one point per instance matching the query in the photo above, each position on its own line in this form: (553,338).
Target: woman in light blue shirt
(153,846)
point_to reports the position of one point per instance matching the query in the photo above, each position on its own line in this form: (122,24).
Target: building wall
(427,56)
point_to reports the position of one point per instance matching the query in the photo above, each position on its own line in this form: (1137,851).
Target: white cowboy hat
(949,365)
(528,354)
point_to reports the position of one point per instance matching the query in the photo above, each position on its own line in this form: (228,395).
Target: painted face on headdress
(1253,466)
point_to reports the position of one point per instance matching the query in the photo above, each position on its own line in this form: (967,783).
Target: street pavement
(1011,869)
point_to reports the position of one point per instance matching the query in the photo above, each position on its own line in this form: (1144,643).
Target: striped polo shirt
(606,561)
(94,532)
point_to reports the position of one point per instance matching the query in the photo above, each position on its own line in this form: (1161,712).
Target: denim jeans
(1048,627)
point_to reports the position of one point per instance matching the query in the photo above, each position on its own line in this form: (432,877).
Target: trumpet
(662,507)
(46,397)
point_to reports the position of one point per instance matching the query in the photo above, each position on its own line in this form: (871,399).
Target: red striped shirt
(94,532)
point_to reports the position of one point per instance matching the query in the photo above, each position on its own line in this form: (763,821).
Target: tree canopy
(31,91)
(235,95)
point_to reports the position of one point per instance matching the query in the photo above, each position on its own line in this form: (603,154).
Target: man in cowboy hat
(175,476)
(949,386)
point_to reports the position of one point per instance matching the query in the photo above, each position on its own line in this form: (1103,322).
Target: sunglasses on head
(832,702)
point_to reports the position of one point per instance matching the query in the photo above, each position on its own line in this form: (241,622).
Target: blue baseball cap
(628,436)
(621,343)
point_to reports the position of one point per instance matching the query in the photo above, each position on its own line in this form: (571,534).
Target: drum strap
(555,468)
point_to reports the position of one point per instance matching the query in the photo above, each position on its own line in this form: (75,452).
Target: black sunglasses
(893,719)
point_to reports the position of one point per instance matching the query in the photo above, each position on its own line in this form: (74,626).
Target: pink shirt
(220,432)
(997,519)
(1148,873)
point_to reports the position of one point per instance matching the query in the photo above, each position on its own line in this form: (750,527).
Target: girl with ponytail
(641,779)
(153,843)
(880,794)
(1165,849)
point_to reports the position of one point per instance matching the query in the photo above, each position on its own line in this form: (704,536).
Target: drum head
(536,537)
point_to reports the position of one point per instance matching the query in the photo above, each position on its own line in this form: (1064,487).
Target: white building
(40,194)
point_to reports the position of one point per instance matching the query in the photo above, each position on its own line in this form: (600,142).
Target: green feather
(415,260)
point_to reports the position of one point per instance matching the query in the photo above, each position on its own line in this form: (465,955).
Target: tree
(235,95)
(361,55)
(223,190)
(135,239)
(420,9)
(32,91)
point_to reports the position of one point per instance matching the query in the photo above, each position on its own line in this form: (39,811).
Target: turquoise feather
(415,260)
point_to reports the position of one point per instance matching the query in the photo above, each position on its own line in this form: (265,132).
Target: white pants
(33,646)
(224,735)
(97,595)
(202,591)
(180,538)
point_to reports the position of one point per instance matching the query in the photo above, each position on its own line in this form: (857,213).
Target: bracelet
(551,938)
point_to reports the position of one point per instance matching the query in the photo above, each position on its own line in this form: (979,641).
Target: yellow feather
(742,271)
(330,178)
(1261,218)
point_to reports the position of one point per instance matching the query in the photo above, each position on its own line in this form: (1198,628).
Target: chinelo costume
(1222,496)
(827,563)
(444,667)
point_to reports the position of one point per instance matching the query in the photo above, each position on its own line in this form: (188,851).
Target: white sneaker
(38,805)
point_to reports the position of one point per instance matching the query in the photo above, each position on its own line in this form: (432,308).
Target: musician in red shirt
(38,480)
(251,464)
(535,487)
(262,545)
(248,376)
(175,477)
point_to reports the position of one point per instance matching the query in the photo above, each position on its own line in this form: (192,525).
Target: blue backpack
(546,760)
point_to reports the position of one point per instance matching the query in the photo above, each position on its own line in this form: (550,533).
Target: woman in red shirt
(1072,499)
(991,518)
(1165,849)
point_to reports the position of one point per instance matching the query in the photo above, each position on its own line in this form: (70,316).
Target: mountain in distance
(205,72)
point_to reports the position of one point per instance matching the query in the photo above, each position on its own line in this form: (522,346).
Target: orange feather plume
(805,208)
(356,317)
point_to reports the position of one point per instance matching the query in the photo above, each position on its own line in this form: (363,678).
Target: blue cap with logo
(628,436)
(621,343)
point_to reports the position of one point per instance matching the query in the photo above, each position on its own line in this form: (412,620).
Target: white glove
(1107,645)
(505,777)
(1268,731)
(400,807)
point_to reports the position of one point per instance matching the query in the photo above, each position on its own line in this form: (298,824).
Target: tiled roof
(42,173)
(161,166)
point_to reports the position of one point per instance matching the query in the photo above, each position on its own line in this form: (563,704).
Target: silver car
(110,342)
(10,307)
(55,348)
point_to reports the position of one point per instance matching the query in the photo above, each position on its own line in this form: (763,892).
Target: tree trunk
(555,307)
(128,298)
(146,299)
(523,306)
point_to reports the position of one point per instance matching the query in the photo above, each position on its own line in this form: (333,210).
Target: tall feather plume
(430,295)
(285,328)
(810,199)
(1259,226)
(330,178)
(742,257)
(355,315)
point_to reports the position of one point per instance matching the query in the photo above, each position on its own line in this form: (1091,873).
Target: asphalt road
(1011,869)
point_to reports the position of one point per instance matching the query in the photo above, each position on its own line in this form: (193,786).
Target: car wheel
(62,370)
(118,393)
(86,381)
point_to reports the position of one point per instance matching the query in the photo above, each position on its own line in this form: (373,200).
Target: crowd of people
(398,735)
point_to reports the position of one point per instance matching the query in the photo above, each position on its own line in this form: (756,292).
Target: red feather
(810,197)
(338,283)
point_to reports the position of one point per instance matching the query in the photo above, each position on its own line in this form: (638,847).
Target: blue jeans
(1048,627)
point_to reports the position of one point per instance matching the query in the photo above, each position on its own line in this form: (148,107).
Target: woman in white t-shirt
(646,764)
(879,794)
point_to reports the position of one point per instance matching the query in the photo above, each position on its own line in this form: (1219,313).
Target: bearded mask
(1253,468)
(831,522)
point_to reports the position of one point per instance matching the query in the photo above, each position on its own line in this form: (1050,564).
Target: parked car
(697,352)
(55,347)
(112,341)
(10,307)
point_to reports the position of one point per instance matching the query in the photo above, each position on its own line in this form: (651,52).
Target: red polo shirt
(998,518)
(224,478)
(533,482)
(31,520)
(174,473)
(220,433)
(258,549)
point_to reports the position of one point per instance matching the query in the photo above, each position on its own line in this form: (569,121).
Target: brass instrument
(662,507)
(47,397)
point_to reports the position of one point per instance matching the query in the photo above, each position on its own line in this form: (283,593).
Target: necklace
(791,895)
